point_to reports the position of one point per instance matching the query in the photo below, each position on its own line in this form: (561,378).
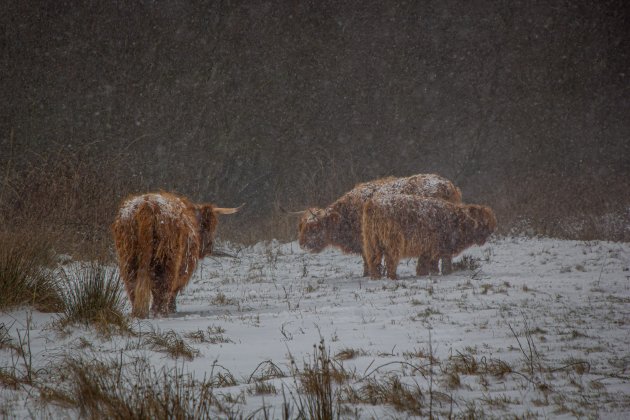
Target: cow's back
(423,185)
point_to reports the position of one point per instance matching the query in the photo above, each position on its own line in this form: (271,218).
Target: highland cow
(406,226)
(159,238)
(339,224)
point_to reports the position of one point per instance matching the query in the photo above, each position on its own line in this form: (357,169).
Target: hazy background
(525,105)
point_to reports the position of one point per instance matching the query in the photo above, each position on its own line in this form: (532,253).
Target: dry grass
(392,391)
(467,262)
(317,397)
(169,342)
(6,341)
(262,388)
(20,371)
(222,300)
(108,389)
(463,363)
(8,378)
(212,335)
(585,207)
(9,375)
(95,297)
(265,371)
(25,274)
(349,353)
(67,195)
(221,377)
(468,363)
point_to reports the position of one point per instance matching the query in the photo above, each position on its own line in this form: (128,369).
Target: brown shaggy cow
(159,237)
(340,223)
(405,226)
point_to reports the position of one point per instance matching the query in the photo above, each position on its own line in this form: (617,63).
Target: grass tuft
(262,388)
(95,298)
(25,276)
(467,263)
(212,335)
(349,353)
(171,343)
(391,391)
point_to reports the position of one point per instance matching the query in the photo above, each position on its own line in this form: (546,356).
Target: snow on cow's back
(425,185)
(169,206)
(364,191)
(428,185)
(395,204)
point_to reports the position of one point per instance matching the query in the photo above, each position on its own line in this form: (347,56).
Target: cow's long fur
(340,223)
(406,226)
(159,238)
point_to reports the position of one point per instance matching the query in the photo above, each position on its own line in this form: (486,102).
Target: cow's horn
(227,210)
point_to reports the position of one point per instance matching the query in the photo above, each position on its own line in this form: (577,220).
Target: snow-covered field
(540,329)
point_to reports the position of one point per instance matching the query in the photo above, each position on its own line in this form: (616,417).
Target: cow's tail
(145,220)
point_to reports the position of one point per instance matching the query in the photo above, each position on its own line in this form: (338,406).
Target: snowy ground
(540,329)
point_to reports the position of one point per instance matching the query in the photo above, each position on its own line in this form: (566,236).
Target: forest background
(283,105)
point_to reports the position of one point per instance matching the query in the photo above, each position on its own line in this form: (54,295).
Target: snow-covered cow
(339,224)
(399,226)
(159,237)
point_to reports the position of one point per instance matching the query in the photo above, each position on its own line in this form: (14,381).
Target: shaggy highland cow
(159,237)
(406,226)
(340,223)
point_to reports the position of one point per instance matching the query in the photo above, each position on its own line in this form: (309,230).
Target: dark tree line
(523,104)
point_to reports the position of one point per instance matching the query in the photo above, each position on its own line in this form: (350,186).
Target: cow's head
(485,221)
(208,221)
(316,227)
(445,190)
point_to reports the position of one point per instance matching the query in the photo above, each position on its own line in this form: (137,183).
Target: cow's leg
(372,255)
(160,302)
(447,265)
(434,265)
(131,292)
(366,266)
(129,281)
(171,301)
(172,304)
(374,264)
(177,284)
(423,266)
(160,291)
(128,274)
(391,264)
